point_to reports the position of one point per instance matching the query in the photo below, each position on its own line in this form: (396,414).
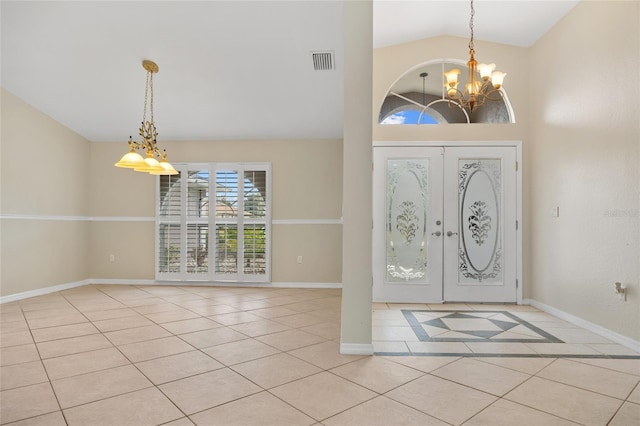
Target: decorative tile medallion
(474,326)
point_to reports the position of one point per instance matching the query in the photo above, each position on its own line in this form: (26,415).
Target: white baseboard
(595,328)
(118,281)
(305,285)
(43,291)
(114,281)
(216,284)
(356,348)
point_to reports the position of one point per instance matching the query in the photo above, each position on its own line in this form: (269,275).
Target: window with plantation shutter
(227,218)
(237,248)
(169,225)
(197,223)
(255,208)
(169,248)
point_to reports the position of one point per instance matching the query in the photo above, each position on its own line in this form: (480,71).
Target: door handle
(449,233)
(437,233)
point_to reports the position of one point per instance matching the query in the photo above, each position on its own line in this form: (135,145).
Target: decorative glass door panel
(406,223)
(444,224)
(480,242)
(480,224)
(407,207)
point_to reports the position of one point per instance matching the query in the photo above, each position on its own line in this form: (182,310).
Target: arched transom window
(419,97)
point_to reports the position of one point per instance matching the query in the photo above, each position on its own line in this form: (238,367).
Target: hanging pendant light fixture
(477,90)
(148,135)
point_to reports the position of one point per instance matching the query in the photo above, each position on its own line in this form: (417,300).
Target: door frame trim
(508,143)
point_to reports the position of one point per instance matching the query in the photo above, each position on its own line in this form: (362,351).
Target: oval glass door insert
(479,206)
(407,202)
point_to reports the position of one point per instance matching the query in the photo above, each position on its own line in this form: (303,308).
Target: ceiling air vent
(322,60)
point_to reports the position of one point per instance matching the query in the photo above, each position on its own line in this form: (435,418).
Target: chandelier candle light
(476,91)
(148,135)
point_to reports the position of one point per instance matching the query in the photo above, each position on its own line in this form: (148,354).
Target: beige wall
(307,187)
(320,247)
(307,175)
(44,180)
(131,243)
(584,158)
(72,218)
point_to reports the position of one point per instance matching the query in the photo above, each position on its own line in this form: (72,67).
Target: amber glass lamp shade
(167,169)
(149,165)
(131,160)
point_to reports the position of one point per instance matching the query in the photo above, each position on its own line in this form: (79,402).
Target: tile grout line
(134,366)
(153,385)
(46,372)
(578,387)
(565,384)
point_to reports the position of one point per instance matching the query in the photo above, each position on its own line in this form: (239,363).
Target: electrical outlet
(112,258)
(299,259)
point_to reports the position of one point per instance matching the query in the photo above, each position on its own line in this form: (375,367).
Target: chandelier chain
(473,12)
(477,88)
(148,88)
(151,89)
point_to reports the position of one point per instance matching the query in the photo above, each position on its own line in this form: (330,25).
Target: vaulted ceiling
(228,69)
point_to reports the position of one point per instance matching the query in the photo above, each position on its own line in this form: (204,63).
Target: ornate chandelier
(148,135)
(476,91)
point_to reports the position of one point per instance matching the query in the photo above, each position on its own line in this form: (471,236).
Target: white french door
(445,224)
(480,235)
(407,218)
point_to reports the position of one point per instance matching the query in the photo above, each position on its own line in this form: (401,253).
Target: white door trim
(513,143)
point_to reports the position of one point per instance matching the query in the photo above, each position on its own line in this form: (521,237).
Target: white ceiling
(514,22)
(228,69)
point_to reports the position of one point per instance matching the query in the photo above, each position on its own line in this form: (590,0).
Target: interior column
(357,167)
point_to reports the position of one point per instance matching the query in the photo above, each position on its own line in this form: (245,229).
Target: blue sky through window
(409,116)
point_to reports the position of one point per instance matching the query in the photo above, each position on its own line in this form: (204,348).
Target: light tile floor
(184,355)
(483,330)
